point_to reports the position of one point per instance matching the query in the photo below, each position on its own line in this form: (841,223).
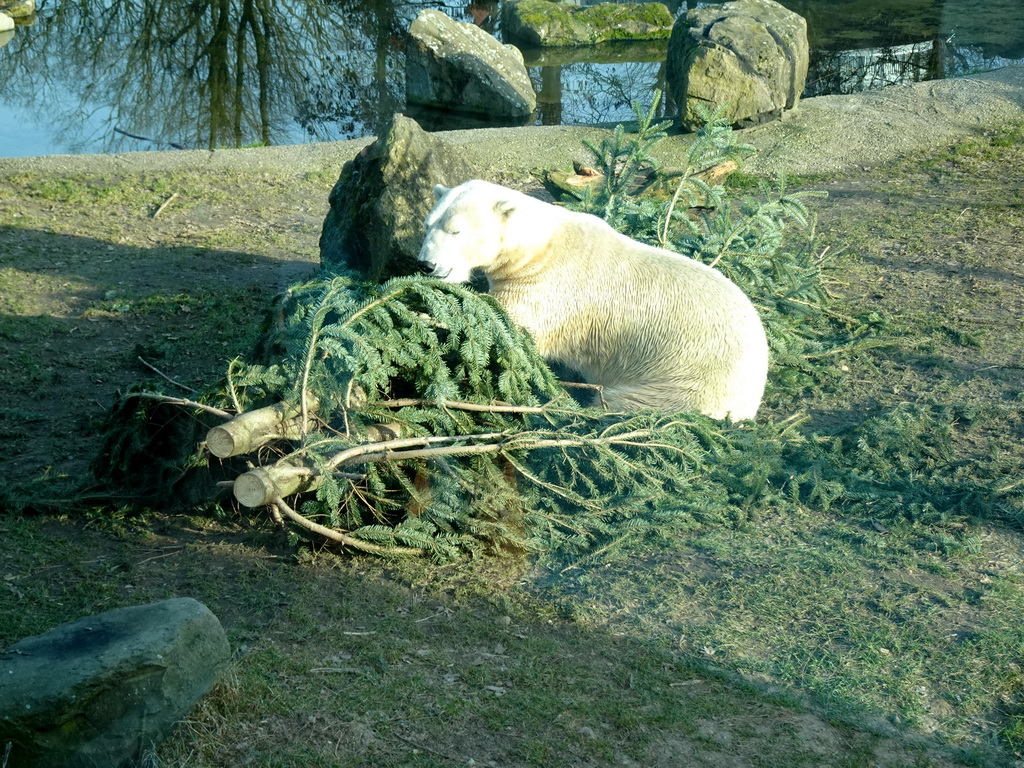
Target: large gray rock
(18,9)
(749,54)
(98,691)
(377,207)
(458,66)
(566,23)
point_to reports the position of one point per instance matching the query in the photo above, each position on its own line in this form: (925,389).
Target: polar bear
(652,328)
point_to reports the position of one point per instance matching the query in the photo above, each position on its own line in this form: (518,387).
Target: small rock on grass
(101,690)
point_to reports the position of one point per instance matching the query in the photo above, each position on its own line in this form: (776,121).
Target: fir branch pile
(413,418)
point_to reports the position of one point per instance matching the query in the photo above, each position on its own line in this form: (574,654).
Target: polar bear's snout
(438,272)
(431,266)
(439,259)
(428,267)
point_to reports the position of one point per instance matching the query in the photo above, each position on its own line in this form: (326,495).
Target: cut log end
(221,442)
(262,485)
(252,430)
(254,489)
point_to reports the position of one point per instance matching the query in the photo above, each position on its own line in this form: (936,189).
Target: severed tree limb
(388,448)
(426,453)
(260,486)
(254,429)
(457,405)
(275,515)
(340,536)
(251,430)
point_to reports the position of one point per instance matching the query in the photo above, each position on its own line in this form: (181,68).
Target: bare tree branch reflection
(208,73)
(114,75)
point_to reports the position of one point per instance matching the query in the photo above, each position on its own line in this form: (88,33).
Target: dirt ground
(107,280)
(99,292)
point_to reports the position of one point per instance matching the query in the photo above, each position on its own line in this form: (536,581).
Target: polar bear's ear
(440,190)
(504,208)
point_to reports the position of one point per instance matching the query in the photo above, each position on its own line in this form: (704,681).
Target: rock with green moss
(540,23)
(750,55)
(457,66)
(377,207)
(101,690)
(23,10)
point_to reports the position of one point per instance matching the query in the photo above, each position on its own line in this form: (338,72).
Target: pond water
(122,75)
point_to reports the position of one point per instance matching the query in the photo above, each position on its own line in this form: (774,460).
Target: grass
(90,189)
(864,620)
(813,638)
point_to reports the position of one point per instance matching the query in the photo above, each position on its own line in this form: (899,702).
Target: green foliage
(896,465)
(432,426)
(551,476)
(490,454)
(408,337)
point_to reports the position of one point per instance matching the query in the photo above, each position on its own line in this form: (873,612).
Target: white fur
(653,328)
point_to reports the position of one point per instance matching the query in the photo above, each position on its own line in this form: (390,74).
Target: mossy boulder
(100,690)
(456,66)
(541,23)
(377,207)
(750,55)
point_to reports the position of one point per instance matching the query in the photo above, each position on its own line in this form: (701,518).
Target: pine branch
(342,537)
(477,407)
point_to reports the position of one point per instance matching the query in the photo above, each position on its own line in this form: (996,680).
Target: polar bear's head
(465,230)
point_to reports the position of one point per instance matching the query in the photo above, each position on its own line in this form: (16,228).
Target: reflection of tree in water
(209,73)
(595,93)
(359,82)
(244,69)
(860,70)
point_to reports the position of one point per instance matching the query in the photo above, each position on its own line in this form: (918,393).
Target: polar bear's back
(655,329)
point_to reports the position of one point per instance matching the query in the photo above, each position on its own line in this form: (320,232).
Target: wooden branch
(457,405)
(392,450)
(426,453)
(369,456)
(163,375)
(184,402)
(352,455)
(163,206)
(259,487)
(254,429)
(275,515)
(262,485)
(581,385)
(251,430)
(340,536)
(380,432)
